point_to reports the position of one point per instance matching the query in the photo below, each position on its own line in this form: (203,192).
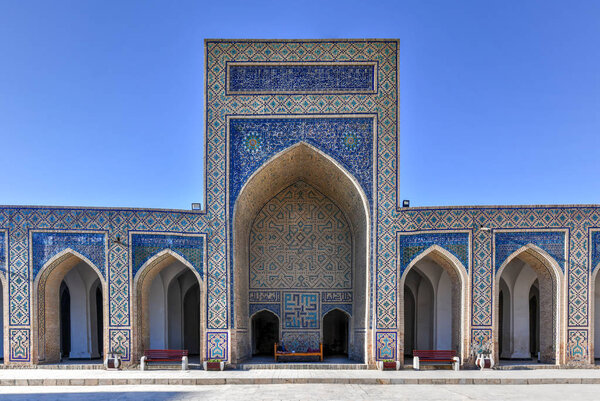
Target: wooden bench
(435,357)
(165,355)
(289,353)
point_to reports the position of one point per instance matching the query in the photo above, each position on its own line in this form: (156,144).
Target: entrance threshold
(328,363)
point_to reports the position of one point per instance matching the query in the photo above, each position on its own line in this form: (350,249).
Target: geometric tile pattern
(217,345)
(45,245)
(120,342)
(3,257)
(594,249)
(553,242)
(302,240)
(243,78)
(301,340)
(411,245)
(386,344)
(145,246)
(19,344)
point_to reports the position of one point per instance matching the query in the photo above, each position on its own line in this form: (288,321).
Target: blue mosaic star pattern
(276,134)
(412,245)
(145,246)
(313,78)
(45,245)
(552,242)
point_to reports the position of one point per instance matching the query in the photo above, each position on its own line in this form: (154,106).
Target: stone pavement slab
(550,392)
(57,377)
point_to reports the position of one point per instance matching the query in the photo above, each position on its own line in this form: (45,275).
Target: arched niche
(145,293)
(80,274)
(524,268)
(301,162)
(449,287)
(264,325)
(4,343)
(595,313)
(336,336)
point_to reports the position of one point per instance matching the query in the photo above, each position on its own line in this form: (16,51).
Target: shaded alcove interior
(2,319)
(265,333)
(335,333)
(301,162)
(431,308)
(174,309)
(527,310)
(72,323)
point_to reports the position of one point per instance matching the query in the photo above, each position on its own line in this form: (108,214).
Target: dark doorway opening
(335,333)
(501,323)
(409,322)
(534,331)
(265,330)
(99,321)
(191,320)
(65,321)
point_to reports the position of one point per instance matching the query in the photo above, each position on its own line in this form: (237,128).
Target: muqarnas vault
(301,239)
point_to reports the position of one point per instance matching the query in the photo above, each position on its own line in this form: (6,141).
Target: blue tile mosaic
(296,78)
(45,245)
(410,246)
(595,249)
(2,251)
(553,242)
(253,141)
(145,246)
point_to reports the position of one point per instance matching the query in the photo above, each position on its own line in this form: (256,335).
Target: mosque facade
(302,239)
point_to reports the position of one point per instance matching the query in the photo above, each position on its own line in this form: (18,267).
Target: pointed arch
(349,316)
(46,284)
(459,278)
(141,287)
(301,162)
(265,310)
(551,276)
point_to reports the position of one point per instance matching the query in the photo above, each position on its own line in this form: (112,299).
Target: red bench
(435,357)
(288,353)
(165,355)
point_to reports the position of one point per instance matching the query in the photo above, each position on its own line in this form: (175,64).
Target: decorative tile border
(289,78)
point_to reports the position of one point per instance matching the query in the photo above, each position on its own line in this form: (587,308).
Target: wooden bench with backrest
(318,353)
(165,355)
(435,357)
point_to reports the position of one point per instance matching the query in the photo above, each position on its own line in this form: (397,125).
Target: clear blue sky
(101,102)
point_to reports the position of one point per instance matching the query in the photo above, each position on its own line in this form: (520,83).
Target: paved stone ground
(580,392)
(58,377)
